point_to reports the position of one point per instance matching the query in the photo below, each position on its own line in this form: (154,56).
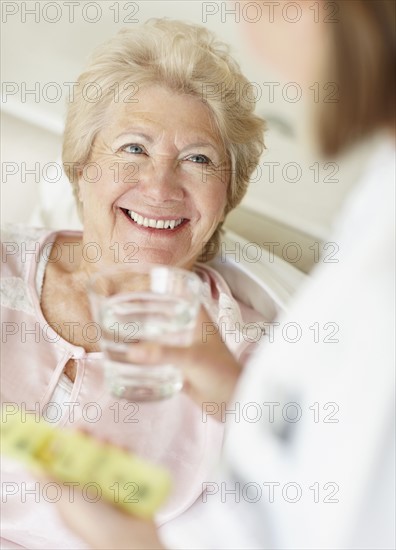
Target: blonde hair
(186,58)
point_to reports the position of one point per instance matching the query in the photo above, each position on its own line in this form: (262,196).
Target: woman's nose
(161,181)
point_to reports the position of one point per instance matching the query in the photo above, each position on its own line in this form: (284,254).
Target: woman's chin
(148,256)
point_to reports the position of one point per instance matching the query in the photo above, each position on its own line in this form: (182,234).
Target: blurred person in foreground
(327,474)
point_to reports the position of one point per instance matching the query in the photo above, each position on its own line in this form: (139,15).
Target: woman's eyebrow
(200,144)
(203,141)
(136,133)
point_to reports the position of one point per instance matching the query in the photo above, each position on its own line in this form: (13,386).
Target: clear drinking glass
(159,303)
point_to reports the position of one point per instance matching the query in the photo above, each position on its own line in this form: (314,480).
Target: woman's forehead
(156,111)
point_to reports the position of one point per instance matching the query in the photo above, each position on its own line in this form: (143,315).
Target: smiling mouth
(153,223)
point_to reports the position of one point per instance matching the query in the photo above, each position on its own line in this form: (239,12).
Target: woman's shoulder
(233,317)
(235,288)
(20,246)
(13,233)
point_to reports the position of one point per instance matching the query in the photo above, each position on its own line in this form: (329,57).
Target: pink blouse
(172,432)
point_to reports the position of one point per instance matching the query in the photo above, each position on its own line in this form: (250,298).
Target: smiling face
(158,187)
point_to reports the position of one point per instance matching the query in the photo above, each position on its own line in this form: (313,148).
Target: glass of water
(160,304)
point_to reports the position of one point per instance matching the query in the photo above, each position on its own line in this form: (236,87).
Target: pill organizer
(68,456)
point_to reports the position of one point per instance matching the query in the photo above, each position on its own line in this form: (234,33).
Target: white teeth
(150,222)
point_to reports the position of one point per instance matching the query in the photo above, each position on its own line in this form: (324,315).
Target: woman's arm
(209,368)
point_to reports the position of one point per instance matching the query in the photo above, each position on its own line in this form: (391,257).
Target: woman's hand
(209,368)
(104,526)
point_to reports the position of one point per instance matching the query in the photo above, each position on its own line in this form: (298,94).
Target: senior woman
(158,147)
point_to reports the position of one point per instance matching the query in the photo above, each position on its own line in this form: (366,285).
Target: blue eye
(133,148)
(199,159)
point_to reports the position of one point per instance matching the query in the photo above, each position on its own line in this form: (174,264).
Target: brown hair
(362,64)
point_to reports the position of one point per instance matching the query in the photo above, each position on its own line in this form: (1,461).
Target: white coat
(316,470)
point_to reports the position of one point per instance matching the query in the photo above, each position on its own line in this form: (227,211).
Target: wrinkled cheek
(93,210)
(200,237)
(100,221)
